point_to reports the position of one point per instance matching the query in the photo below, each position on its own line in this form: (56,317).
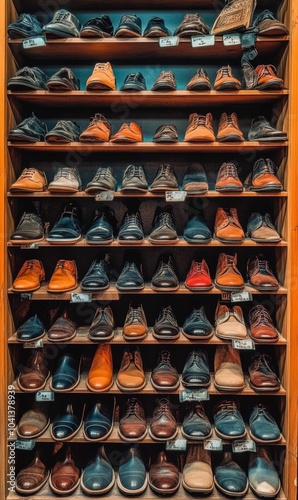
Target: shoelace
(131,219)
(225,71)
(226,408)
(65,173)
(265,167)
(130,266)
(201,73)
(263,361)
(101,66)
(164,171)
(230,260)
(232,217)
(61,16)
(197,314)
(260,315)
(132,409)
(167,315)
(165,358)
(231,121)
(135,313)
(200,120)
(197,358)
(166,218)
(28,172)
(167,74)
(32,266)
(102,173)
(197,267)
(134,171)
(263,266)
(262,410)
(267,69)
(163,407)
(230,170)
(266,14)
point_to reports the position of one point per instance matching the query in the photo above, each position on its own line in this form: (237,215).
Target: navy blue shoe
(263,428)
(156,28)
(130,278)
(132,477)
(28,79)
(32,329)
(131,229)
(67,228)
(98,477)
(26,26)
(97,27)
(197,325)
(228,420)
(196,230)
(97,276)
(129,26)
(102,228)
(98,423)
(196,370)
(66,424)
(196,425)
(67,374)
(29,130)
(229,478)
(134,82)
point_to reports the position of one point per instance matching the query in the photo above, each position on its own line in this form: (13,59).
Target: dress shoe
(128,133)
(63,25)
(195,180)
(99,130)
(227,227)
(261,131)
(98,476)
(103,180)
(263,177)
(67,228)
(195,372)
(34,422)
(32,477)
(62,330)
(67,374)
(228,129)
(225,80)
(64,277)
(99,420)
(64,131)
(229,322)
(97,276)
(134,179)
(197,475)
(268,25)
(198,277)
(134,82)
(199,128)
(229,478)
(196,230)
(164,476)
(200,81)
(102,326)
(28,79)
(129,26)
(166,326)
(163,227)
(130,278)
(228,370)
(65,476)
(262,377)
(164,376)
(135,325)
(191,25)
(97,27)
(29,277)
(166,133)
(102,78)
(156,28)
(101,231)
(262,475)
(163,425)
(27,25)
(131,376)
(63,80)
(100,376)
(197,326)
(261,327)
(164,180)
(30,228)
(228,179)
(132,424)
(260,276)
(66,180)
(267,78)
(66,424)
(260,228)
(31,180)
(29,130)
(132,476)
(228,277)
(32,329)
(164,278)
(34,374)
(196,425)
(165,81)
(263,428)
(228,420)
(131,230)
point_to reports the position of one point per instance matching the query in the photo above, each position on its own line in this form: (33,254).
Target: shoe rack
(151,109)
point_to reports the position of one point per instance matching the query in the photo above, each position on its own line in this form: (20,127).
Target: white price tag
(213,444)
(169,41)
(175,196)
(202,40)
(234,39)
(22,444)
(242,446)
(176,445)
(244,296)
(243,344)
(26,296)
(105,196)
(80,297)
(45,396)
(30,246)
(199,395)
(35,344)
(37,41)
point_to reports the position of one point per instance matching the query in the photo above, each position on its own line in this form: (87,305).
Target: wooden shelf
(118,194)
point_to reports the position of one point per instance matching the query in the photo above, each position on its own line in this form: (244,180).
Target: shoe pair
(262,178)
(35,79)
(32,275)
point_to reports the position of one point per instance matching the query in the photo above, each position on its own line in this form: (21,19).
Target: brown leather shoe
(31,180)
(98,130)
(166,133)
(200,81)
(164,476)
(228,374)
(228,277)
(228,129)
(260,276)
(197,475)
(267,78)
(100,376)
(102,78)
(133,425)
(163,425)
(64,277)
(227,227)
(225,80)
(199,128)
(165,81)
(227,179)
(260,228)
(35,374)
(229,322)
(261,325)
(135,326)
(192,25)
(263,177)
(164,376)
(262,377)
(65,476)
(34,422)
(63,330)
(32,478)
(131,376)
(29,277)
(128,132)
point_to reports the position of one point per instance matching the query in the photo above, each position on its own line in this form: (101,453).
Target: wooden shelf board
(118,194)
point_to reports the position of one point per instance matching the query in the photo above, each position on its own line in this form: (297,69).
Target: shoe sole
(23,137)
(99,390)
(199,288)
(62,291)
(59,33)
(163,440)
(37,434)
(165,289)
(163,87)
(229,188)
(124,139)
(199,242)
(97,289)
(131,242)
(231,493)
(131,88)
(197,490)
(163,242)
(33,490)
(195,438)
(264,341)
(131,389)
(132,440)
(25,242)
(224,436)
(222,240)
(228,388)
(263,389)
(126,491)
(93,139)
(32,340)
(63,242)
(165,139)
(132,189)
(264,441)
(228,86)
(98,86)
(260,240)
(270,139)
(89,33)
(263,495)
(64,340)
(194,191)
(68,438)
(33,390)
(161,491)
(22,85)
(231,337)
(265,188)
(134,339)
(101,339)
(101,242)
(163,189)
(199,139)
(198,87)
(97,189)
(63,189)
(156,33)
(166,337)
(164,389)
(96,492)
(263,288)
(60,87)
(197,337)
(126,32)
(60,139)
(128,289)
(193,385)
(229,288)
(272,85)
(231,138)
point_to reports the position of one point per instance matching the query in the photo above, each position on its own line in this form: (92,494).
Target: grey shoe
(64,79)
(64,131)
(163,227)
(63,25)
(102,181)
(30,228)
(166,133)
(165,179)
(67,179)
(134,179)
(28,79)
(262,131)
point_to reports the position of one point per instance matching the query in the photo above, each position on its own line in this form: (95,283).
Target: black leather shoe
(196,425)
(134,179)
(165,180)
(63,25)
(67,228)
(98,477)
(97,27)
(26,26)
(99,420)
(130,278)
(97,276)
(102,181)
(262,131)
(166,133)
(263,428)
(66,424)
(166,326)
(196,370)
(64,79)
(28,79)
(134,82)
(228,420)
(67,374)
(29,130)
(196,230)
(132,476)
(229,478)
(163,227)
(102,326)
(131,229)
(164,376)
(129,26)
(32,329)
(30,228)
(64,131)
(156,28)
(165,279)
(102,228)
(197,326)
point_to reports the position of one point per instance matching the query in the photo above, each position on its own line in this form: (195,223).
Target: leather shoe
(261,131)
(228,420)
(128,133)
(129,26)
(164,278)
(198,277)
(229,322)
(196,230)
(67,228)
(132,476)
(199,81)
(64,277)
(98,476)
(27,25)
(268,25)
(63,80)
(228,370)
(34,422)
(228,277)
(66,180)
(29,229)
(164,180)
(32,329)
(97,27)
(225,80)
(130,278)
(100,376)
(97,276)
(28,79)
(196,425)
(65,476)
(29,130)
(261,325)
(164,376)
(63,132)
(263,428)
(29,277)
(166,133)
(163,425)
(34,374)
(260,276)
(191,25)
(197,326)
(263,177)
(199,128)
(102,326)
(135,325)
(131,376)
(229,478)
(62,330)
(166,326)
(102,78)
(267,78)
(164,476)
(132,424)
(227,179)
(262,475)
(165,81)
(156,28)
(103,180)
(227,227)
(228,129)
(101,231)
(195,180)
(262,377)
(99,130)
(197,475)
(134,82)
(32,477)
(260,229)
(195,372)
(63,25)
(67,374)
(31,180)
(66,424)
(99,420)
(134,179)
(131,230)
(163,227)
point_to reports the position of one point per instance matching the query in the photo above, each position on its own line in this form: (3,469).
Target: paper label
(175,196)
(80,297)
(213,444)
(33,345)
(231,39)
(22,444)
(176,445)
(105,196)
(202,40)
(199,395)
(169,41)
(246,344)
(244,296)
(242,446)
(30,246)
(26,296)
(45,396)
(37,41)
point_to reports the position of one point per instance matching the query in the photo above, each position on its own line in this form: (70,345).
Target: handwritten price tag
(31,43)
(45,396)
(202,41)
(243,446)
(231,39)
(105,196)
(175,195)
(189,396)
(176,445)
(241,296)
(33,345)
(30,246)
(246,344)
(213,444)
(76,298)
(22,444)
(169,41)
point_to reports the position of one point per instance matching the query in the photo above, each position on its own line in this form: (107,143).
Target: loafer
(199,81)
(156,28)
(34,374)
(134,179)
(131,376)
(196,425)
(163,425)
(196,230)
(102,326)
(198,277)
(132,476)
(99,130)
(134,82)
(64,277)
(163,475)
(100,376)
(63,329)
(135,325)
(66,424)
(31,180)
(67,228)
(229,322)
(163,227)
(30,276)
(28,79)
(165,81)
(263,428)
(32,477)
(26,26)
(166,133)
(268,25)
(131,230)
(164,376)
(63,80)
(132,424)
(98,477)
(164,278)
(99,420)
(67,374)
(197,326)
(129,26)
(195,180)
(165,180)
(64,131)
(229,478)
(228,420)
(102,78)
(32,329)
(192,25)
(34,422)
(228,370)
(263,177)
(66,180)
(166,326)
(101,231)
(262,475)
(29,130)
(128,133)
(103,180)
(261,131)
(195,372)
(130,278)
(261,229)
(30,228)
(63,25)
(97,276)
(97,27)
(261,325)
(65,475)
(262,377)
(197,475)
(259,274)
(227,179)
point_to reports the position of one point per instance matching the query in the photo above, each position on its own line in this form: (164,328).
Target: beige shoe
(229,322)
(197,475)
(228,370)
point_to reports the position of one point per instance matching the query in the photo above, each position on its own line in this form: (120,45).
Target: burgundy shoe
(260,275)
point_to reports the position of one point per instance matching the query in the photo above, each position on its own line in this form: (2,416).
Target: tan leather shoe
(29,277)
(200,81)
(64,278)
(227,227)
(131,376)
(228,129)
(228,370)
(228,179)
(228,277)
(102,78)
(225,80)
(199,128)
(100,376)
(135,326)
(30,180)
(197,475)
(33,422)
(229,322)
(128,132)
(98,130)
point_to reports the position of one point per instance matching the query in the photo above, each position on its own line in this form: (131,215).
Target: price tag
(45,396)
(169,41)
(175,195)
(245,344)
(226,297)
(105,196)
(76,298)
(241,296)
(37,41)
(30,246)
(33,345)
(213,444)
(176,445)
(22,444)
(234,39)
(202,40)
(199,395)
(242,446)
(26,296)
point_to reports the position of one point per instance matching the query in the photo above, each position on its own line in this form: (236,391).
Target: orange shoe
(131,376)
(128,132)
(29,277)
(228,277)
(228,129)
(102,78)
(267,78)
(225,80)
(100,376)
(64,278)
(30,180)
(98,130)
(199,128)
(227,227)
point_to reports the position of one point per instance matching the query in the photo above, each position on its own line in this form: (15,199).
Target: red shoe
(198,277)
